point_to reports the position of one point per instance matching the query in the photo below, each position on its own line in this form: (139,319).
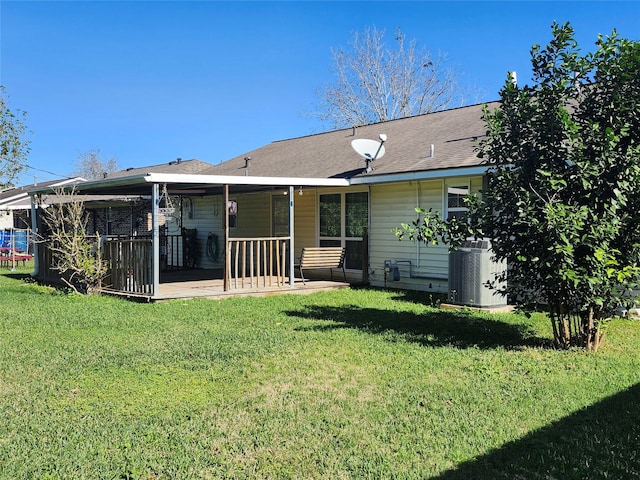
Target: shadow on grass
(21,276)
(436,328)
(600,441)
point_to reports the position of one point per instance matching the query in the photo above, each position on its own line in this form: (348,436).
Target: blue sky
(150,81)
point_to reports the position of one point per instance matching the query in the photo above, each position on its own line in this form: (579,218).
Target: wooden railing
(251,263)
(130,265)
(171,252)
(45,261)
(257,262)
(48,270)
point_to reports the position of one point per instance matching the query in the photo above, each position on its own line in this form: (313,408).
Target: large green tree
(562,205)
(14,145)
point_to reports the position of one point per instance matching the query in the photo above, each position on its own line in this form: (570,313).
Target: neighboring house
(15,203)
(430,161)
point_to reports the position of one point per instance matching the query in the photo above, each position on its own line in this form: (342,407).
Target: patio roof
(185,184)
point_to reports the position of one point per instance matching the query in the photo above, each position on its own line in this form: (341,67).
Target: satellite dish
(369,149)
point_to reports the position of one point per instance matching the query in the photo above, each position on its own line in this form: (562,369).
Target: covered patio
(252,265)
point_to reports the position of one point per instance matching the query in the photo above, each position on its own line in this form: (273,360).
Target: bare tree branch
(93,166)
(76,255)
(375,82)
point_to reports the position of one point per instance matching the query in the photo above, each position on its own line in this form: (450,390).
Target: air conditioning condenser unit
(471,268)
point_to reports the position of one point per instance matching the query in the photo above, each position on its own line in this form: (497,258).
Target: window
(233,213)
(280,210)
(343,219)
(356,213)
(330,214)
(456,206)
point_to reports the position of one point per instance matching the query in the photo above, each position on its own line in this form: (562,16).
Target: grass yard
(347,384)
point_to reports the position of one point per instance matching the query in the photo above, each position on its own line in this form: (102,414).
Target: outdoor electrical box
(391,270)
(471,268)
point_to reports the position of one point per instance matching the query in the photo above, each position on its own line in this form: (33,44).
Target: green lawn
(347,384)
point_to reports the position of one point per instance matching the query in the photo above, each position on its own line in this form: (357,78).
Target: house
(15,203)
(16,239)
(314,190)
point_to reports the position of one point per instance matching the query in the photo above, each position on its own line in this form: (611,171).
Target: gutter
(422,175)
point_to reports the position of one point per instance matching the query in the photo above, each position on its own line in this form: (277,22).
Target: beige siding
(206,217)
(422,267)
(305,220)
(254,220)
(476,184)
(254,215)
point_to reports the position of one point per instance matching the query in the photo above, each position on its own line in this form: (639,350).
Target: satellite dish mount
(370,150)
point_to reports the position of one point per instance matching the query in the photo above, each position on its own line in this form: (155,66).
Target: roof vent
(432,151)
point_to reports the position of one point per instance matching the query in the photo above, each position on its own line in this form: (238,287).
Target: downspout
(292,257)
(365,274)
(155,239)
(418,206)
(34,230)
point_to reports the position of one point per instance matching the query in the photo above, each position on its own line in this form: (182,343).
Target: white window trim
(452,183)
(343,224)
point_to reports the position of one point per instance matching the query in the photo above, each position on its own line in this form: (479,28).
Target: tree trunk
(576,330)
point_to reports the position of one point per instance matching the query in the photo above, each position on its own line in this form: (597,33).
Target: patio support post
(155,238)
(292,257)
(34,238)
(227,252)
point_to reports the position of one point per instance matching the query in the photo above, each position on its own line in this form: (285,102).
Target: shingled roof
(187,167)
(22,191)
(453,134)
(18,197)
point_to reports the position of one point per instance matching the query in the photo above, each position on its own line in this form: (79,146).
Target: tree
(14,146)
(562,205)
(76,255)
(375,82)
(92,165)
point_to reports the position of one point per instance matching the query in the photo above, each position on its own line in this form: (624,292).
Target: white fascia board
(116,182)
(244,180)
(423,175)
(10,208)
(53,186)
(9,200)
(21,202)
(69,180)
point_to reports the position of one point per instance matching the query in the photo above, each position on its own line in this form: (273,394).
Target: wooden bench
(314,258)
(8,260)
